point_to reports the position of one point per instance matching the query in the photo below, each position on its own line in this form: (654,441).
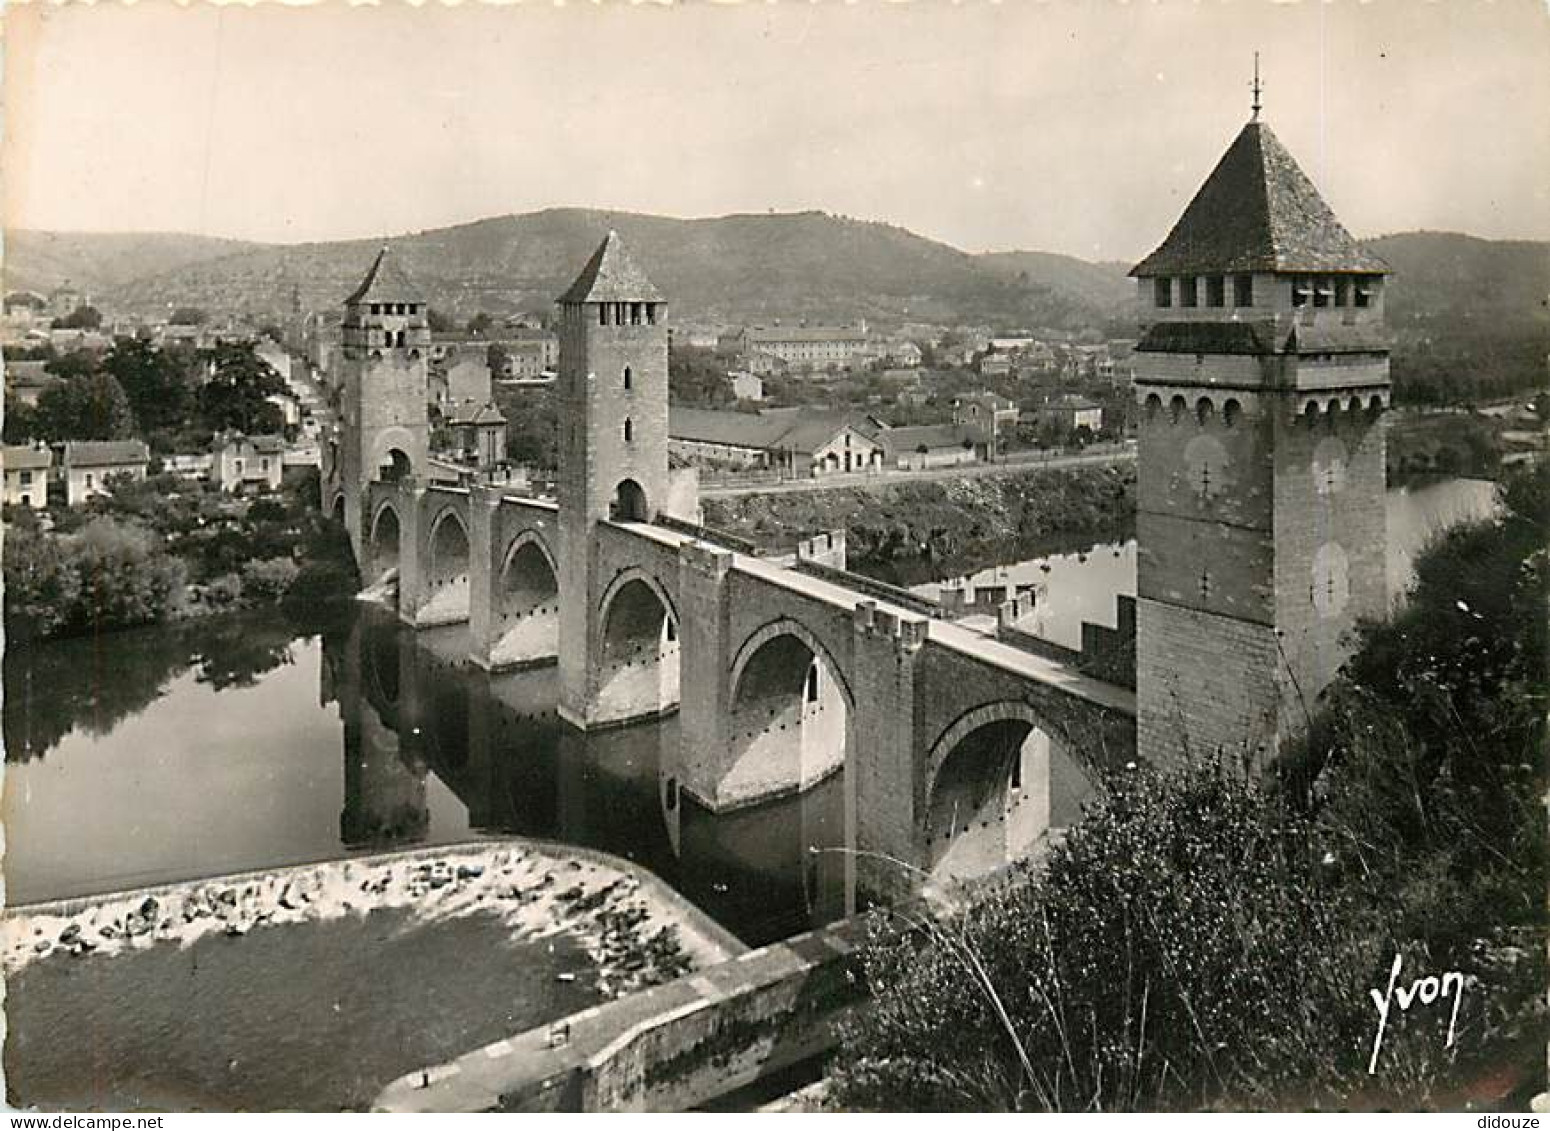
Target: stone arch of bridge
(526,602)
(988,788)
(637,647)
(446,566)
(791,715)
(386,531)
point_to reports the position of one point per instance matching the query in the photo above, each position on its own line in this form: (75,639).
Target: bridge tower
(384,427)
(1262,377)
(612,444)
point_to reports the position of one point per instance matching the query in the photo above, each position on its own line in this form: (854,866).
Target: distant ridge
(747,267)
(741,267)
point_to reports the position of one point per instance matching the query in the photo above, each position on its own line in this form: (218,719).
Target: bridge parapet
(826,549)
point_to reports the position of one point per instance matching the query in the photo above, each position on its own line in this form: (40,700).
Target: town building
(477,431)
(88,466)
(245,462)
(26,475)
(460,373)
(1070,412)
(922,446)
(803,348)
(27,380)
(986,418)
(747,386)
(798,442)
(1261,380)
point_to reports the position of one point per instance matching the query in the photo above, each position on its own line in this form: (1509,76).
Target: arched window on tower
(628,377)
(629,430)
(602,314)
(812,684)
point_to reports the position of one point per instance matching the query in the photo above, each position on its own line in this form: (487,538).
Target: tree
(21,420)
(497,358)
(697,377)
(125,576)
(40,589)
(159,387)
(85,408)
(76,363)
(81,318)
(479,325)
(439,321)
(234,397)
(188,316)
(532,426)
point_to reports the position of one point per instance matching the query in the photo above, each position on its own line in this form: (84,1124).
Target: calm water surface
(251,741)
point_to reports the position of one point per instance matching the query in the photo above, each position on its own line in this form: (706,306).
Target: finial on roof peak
(1257,87)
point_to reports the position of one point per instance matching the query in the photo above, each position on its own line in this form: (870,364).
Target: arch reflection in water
(413,710)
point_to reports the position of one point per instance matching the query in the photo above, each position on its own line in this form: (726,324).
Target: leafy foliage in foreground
(1205,940)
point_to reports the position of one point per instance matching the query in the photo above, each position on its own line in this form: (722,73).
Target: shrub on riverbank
(229,552)
(1204,939)
(106,574)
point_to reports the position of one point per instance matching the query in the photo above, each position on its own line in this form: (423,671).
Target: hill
(808,265)
(1106,285)
(1447,275)
(104,262)
(1470,317)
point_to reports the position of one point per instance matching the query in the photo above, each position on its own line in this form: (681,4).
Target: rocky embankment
(633,935)
(898,530)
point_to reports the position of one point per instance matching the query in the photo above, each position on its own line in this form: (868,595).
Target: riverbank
(311,987)
(909,532)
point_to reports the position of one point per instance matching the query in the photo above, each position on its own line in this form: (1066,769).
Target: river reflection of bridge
(413,706)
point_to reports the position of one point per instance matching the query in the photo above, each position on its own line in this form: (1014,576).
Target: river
(252,741)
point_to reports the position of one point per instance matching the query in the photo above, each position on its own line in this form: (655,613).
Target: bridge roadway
(946,634)
(958,752)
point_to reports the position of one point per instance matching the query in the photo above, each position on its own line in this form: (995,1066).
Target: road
(890,478)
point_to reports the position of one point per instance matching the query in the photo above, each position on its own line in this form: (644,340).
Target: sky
(1077,128)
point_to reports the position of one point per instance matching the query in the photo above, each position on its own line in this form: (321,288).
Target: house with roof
(767,349)
(460,373)
(985,417)
(794,441)
(88,466)
(922,446)
(27,380)
(477,432)
(747,386)
(1070,412)
(26,475)
(248,462)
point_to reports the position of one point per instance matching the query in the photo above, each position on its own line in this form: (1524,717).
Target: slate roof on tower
(612,276)
(1258,211)
(385,282)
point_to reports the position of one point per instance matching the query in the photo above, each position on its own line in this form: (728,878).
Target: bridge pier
(408,504)
(881,779)
(705,671)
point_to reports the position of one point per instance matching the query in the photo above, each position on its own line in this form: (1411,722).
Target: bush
(1200,940)
(269,578)
(1170,956)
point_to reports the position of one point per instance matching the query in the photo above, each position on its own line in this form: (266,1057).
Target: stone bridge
(959,753)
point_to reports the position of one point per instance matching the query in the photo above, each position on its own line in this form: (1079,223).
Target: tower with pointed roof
(1261,377)
(383,430)
(612,393)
